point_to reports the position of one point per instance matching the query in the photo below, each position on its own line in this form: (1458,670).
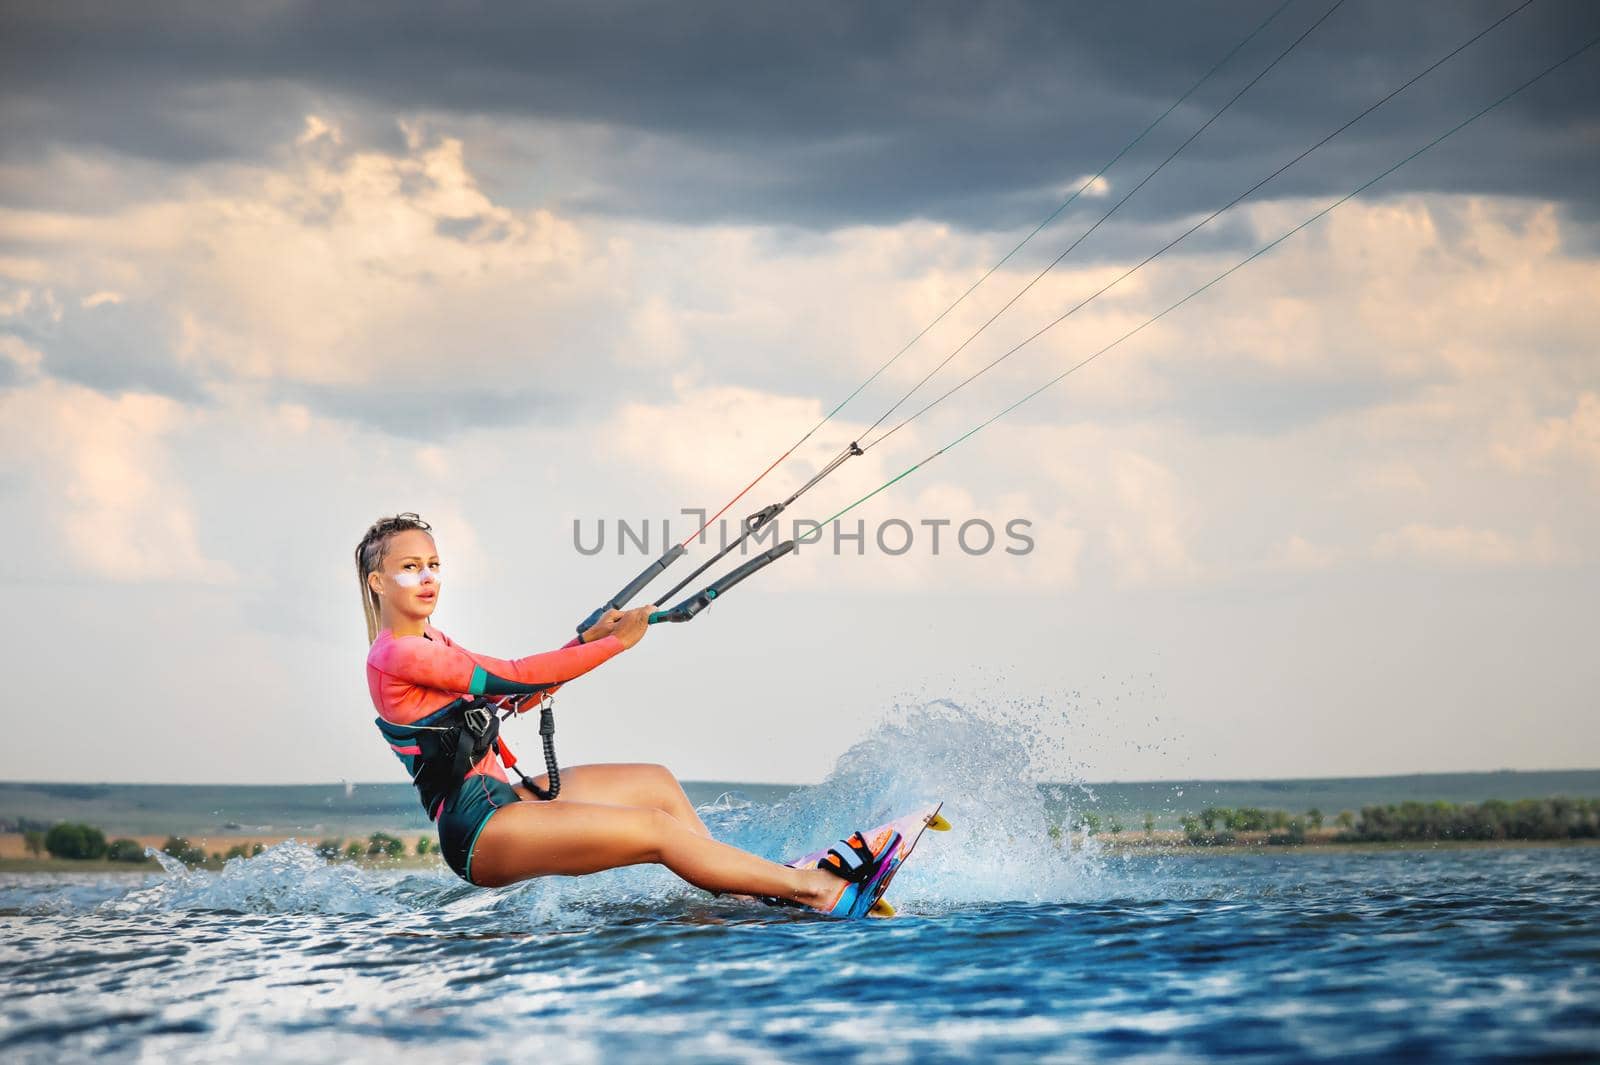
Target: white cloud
(1574,437)
(1103,496)
(1402,290)
(708,438)
(99,471)
(317,128)
(1094,187)
(1299,555)
(16,302)
(1148,536)
(341,269)
(1459,545)
(22,355)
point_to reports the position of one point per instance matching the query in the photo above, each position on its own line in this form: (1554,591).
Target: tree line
(1557,818)
(85,842)
(1407,822)
(1524,819)
(80,842)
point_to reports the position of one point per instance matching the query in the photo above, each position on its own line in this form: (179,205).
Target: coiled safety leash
(547,733)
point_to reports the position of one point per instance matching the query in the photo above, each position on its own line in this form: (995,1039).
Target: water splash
(986,763)
(1007,841)
(288,878)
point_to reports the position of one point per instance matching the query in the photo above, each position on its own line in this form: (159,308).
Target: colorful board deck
(910,826)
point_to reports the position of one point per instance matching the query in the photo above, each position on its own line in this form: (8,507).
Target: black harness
(447,743)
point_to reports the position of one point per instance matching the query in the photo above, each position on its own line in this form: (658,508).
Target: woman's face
(408,581)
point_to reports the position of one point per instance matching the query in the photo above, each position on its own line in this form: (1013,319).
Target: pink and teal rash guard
(413,677)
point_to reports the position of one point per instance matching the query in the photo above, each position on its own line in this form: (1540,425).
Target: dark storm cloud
(114,348)
(111,347)
(825,114)
(807,117)
(428,415)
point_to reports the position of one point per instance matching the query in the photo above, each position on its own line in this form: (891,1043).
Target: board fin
(938,823)
(881,908)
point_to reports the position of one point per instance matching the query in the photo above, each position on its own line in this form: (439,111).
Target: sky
(268,272)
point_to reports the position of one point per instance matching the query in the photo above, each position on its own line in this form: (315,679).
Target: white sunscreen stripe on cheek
(413,580)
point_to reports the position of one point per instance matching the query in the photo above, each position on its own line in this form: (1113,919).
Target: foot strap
(858,867)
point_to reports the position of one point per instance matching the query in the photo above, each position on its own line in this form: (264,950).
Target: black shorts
(464,813)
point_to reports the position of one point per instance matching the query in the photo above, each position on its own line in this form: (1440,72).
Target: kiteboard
(910,827)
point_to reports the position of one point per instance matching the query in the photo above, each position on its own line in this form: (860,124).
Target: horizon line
(786,784)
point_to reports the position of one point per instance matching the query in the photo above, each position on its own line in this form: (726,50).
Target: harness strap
(441,748)
(547,733)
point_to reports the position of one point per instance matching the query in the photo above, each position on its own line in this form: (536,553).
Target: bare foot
(817,888)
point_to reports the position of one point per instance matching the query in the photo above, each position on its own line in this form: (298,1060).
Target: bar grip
(633,587)
(686,610)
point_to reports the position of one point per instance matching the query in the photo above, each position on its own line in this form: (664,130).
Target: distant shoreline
(1371,778)
(320,811)
(1174,843)
(14,859)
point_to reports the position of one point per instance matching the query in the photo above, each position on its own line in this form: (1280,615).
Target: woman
(433,701)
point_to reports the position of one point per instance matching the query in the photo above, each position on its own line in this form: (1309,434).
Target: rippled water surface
(1009,947)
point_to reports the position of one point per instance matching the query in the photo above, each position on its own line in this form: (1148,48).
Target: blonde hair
(369,559)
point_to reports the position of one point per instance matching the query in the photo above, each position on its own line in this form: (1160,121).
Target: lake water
(1009,947)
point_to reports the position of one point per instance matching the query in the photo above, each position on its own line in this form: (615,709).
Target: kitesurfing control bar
(763,517)
(691,606)
(697,602)
(751,524)
(633,587)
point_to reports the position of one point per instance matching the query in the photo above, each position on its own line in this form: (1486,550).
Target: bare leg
(650,787)
(569,838)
